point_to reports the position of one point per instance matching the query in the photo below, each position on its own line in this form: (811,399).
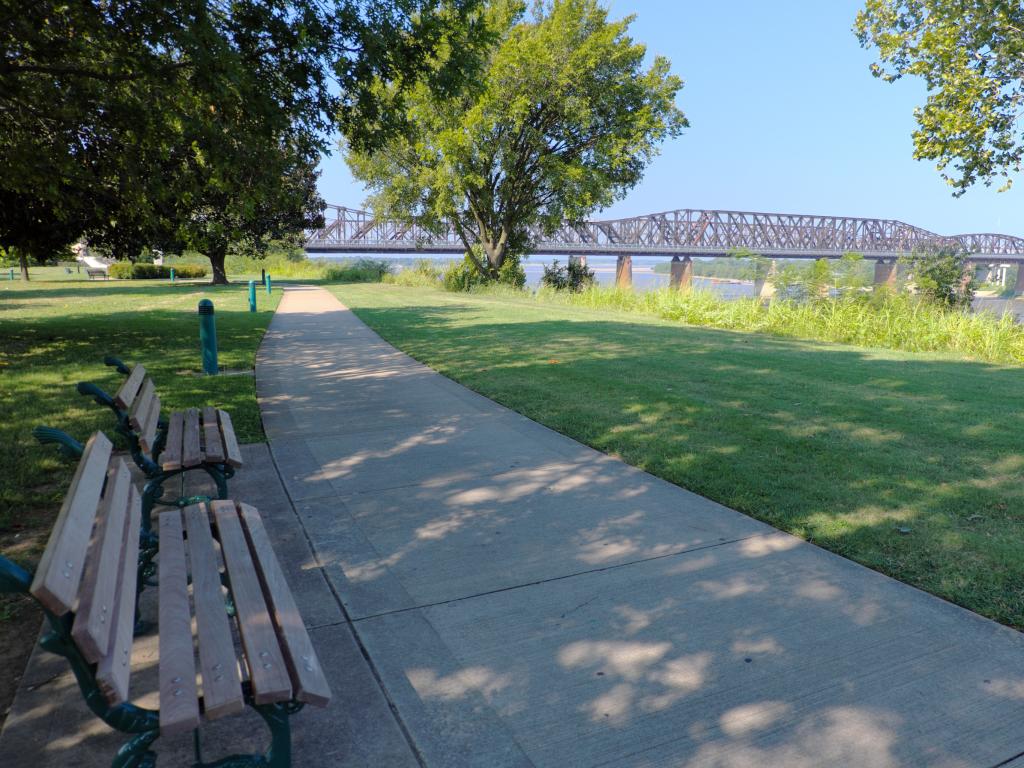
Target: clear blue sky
(785,118)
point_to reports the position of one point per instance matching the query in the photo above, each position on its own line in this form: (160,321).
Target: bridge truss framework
(684,232)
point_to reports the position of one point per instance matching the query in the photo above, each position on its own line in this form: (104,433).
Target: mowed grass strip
(54,334)
(908,463)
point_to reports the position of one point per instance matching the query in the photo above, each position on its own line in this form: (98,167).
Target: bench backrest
(138,398)
(88,569)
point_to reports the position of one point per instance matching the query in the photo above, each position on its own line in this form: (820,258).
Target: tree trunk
(217,257)
(494,257)
(23,263)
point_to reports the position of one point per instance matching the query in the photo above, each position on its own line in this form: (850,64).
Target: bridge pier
(681,273)
(624,272)
(885,273)
(764,288)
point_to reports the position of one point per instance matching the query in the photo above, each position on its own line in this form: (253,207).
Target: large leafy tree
(558,118)
(135,122)
(970,54)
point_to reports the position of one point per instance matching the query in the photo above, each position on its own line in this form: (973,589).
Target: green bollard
(12,275)
(252,295)
(172,274)
(208,337)
(268,284)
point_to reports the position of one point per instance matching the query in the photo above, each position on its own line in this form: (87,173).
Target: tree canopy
(971,56)
(555,117)
(191,121)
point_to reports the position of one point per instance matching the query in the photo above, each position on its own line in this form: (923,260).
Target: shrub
(189,271)
(574,277)
(277,265)
(358,271)
(944,276)
(512,273)
(555,277)
(461,275)
(423,273)
(126,270)
(819,279)
(464,276)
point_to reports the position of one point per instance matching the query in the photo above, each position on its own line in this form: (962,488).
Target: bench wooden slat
(95,617)
(126,394)
(179,697)
(222,689)
(170,458)
(310,684)
(140,410)
(114,669)
(231,450)
(60,568)
(191,451)
(267,670)
(147,430)
(213,446)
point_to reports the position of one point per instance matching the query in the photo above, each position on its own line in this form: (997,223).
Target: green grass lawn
(908,463)
(55,331)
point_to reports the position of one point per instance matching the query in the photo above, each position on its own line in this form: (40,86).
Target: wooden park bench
(194,439)
(94,272)
(85,583)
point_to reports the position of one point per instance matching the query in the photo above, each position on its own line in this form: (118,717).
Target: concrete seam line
(406,734)
(1009,760)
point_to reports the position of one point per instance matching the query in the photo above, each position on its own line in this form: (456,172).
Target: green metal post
(172,274)
(268,283)
(208,337)
(252,295)
(12,275)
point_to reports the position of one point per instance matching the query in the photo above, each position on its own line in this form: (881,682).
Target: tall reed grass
(280,267)
(895,321)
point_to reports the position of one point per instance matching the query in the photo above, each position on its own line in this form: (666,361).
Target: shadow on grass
(43,358)
(116,288)
(907,463)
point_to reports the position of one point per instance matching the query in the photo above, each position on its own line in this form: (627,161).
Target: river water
(646,279)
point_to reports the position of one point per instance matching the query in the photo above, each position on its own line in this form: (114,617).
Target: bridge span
(682,235)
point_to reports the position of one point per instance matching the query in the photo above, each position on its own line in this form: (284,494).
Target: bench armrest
(13,578)
(88,389)
(116,362)
(66,444)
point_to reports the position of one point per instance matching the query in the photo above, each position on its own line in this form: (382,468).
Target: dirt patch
(19,628)
(19,615)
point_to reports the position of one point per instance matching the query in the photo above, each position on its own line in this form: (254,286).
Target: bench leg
(220,478)
(153,492)
(278,755)
(142,724)
(136,753)
(276,716)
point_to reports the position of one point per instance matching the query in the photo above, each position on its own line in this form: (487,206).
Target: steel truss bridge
(685,232)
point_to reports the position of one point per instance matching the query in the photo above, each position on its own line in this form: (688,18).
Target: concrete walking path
(523,600)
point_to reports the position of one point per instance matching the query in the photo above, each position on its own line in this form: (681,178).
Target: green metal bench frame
(144,724)
(156,476)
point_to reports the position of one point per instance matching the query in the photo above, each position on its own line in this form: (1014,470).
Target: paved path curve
(526,601)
